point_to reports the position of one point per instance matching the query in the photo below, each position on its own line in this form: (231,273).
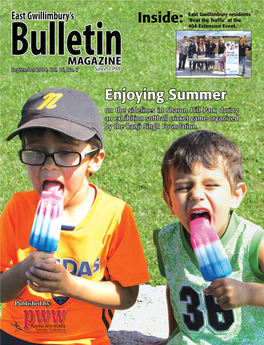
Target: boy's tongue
(199,222)
(53,186)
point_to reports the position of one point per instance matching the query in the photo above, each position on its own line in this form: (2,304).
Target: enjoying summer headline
(158,97)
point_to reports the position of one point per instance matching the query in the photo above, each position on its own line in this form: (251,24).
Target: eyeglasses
(62,158)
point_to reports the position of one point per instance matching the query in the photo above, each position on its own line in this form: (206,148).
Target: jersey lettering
(219,319)
(194,318)
(96,265)
(70,265)
(85,268)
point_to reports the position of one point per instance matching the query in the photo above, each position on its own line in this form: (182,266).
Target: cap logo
(50,100)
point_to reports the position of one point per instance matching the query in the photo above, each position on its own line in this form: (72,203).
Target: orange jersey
(105,245)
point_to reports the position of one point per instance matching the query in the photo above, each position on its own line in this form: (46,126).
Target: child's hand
(229,293)
(37,257)
(46,276)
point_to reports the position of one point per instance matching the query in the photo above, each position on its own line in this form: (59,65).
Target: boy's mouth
(200,213)
(53,186)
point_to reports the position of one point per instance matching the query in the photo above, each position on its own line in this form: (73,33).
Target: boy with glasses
(99,262)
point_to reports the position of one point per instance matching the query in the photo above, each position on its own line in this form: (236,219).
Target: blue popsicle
(209,251)
(46,227)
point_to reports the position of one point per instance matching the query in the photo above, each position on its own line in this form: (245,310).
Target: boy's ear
(167,199)
(95,163)
(238,195)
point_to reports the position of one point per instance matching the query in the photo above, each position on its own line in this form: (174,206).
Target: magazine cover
(93,94)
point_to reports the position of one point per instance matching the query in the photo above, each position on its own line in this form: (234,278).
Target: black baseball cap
(65,110)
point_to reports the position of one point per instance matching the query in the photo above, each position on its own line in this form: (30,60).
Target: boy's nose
(197,193)
(50,164)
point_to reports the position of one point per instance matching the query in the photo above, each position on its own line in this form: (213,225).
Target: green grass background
(131,169)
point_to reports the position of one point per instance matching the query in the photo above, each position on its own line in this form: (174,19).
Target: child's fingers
(218,282)
(37,288)
(50,261)
(215,288)
(222,300)
(38,256)
(226,306)
(208,291)
(36,280)
(218,292)
(215,285)
(38,276)
(48,266)
(33,278)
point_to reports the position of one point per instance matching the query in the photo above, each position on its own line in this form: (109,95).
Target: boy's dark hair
(203,147)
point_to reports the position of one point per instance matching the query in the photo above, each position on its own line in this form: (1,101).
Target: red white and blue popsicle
(209,250)
(45,232)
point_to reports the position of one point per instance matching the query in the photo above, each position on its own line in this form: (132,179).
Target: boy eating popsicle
(202,178)
(68,298)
